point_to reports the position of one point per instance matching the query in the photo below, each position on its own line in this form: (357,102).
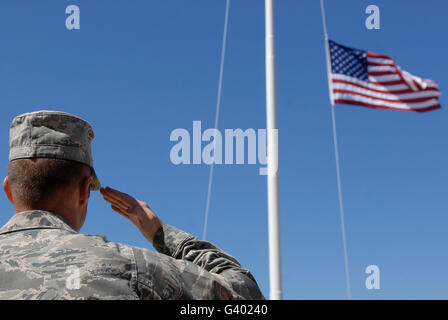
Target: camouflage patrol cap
(52,134)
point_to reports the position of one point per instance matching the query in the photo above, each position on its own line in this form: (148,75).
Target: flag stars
(350,62)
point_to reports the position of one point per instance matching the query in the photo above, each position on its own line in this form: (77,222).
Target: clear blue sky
(136,70)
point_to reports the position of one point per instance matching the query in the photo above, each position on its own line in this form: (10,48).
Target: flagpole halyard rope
(336,153)
(341,207)
(218,106)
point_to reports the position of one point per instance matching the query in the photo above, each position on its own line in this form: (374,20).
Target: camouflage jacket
(43,257)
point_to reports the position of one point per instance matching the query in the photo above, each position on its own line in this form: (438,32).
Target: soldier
(43,255)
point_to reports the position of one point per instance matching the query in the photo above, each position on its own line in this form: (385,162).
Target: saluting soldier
(43,255)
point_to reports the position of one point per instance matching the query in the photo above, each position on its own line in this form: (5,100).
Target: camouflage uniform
(43,257)
(39,252)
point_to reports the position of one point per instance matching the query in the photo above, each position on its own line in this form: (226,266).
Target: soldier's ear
(84,191)
(7,189)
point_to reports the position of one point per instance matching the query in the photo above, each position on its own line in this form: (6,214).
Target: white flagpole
(336,152)
(275,280)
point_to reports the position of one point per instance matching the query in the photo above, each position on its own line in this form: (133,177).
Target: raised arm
(206,271)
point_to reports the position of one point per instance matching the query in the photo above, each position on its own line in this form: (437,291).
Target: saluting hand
(135,210)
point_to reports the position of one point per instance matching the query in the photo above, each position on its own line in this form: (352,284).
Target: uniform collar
(36,219)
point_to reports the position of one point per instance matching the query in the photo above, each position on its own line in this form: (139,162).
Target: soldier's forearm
(182,245)
(168,240)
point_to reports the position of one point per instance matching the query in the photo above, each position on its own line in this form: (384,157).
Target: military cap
(52,134)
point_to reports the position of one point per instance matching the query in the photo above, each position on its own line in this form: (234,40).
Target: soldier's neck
(67,212)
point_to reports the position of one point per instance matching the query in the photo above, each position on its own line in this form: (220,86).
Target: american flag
(373,80)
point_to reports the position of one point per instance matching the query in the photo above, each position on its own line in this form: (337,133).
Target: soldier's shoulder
(100,246)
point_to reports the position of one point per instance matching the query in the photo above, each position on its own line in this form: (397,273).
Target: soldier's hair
(34,181)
